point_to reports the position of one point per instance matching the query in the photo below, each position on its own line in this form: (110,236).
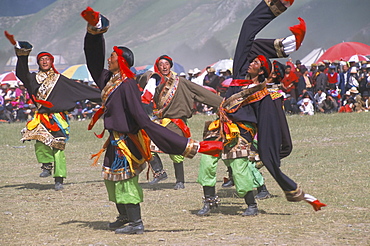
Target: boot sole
(131,232)
(153,183)
(264,197)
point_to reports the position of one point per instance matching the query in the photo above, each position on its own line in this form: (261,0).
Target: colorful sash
(166,95)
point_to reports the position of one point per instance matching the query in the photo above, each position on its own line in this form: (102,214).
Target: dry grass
(330,160)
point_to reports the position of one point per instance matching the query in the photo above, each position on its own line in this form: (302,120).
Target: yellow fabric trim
(34,122)
(62,121)
(233,130)
(126,151)
(214,125)
(165,122)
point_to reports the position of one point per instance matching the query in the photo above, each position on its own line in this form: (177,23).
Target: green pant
(177,158)
(245,174)
(47,154)
(127,191)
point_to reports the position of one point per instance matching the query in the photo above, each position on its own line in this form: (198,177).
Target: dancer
(249,108)
(54,96)
(174,99)
(130,129)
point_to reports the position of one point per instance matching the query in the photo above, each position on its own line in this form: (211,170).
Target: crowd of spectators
(326,87)
(17,106)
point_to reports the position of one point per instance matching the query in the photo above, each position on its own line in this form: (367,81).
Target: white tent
(312,57)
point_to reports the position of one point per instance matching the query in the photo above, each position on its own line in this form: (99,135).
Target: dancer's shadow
(96,225)
(103,226)
(161,186)
(31,186)
(37,186)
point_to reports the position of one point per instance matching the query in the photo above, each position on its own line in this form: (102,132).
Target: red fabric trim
(299,32)
(95,118)
(210,148)
(146,97)
(90,16)
(184,128)
(101,135)
(10,38)
(146,153)
(241,82)
(123,65)
(53,127)
(43,102)
(317,205)
(265,63)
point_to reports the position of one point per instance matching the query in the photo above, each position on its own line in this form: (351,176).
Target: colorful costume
(129,127)
(249,108)
(54,96)
(174,99)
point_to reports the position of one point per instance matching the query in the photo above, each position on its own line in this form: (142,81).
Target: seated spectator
(329,105)
(5,115)
(290,105)
(348,107)
(305,94)
(9,108)
(319,97)
(362,103)
(88,111)
(307,107)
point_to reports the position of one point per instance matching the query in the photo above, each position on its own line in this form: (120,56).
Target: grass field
(330,160)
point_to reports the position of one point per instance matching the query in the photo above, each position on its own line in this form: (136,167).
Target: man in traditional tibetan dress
(54,96)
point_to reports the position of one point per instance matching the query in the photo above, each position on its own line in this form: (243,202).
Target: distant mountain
(195,33)
(22,7)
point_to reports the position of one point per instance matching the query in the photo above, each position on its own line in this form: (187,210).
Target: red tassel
(212,148)
(44,103)
(299,32)
(317,205)
(10,38)
(101,135)
(90,16)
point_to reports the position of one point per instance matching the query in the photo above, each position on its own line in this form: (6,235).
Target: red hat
(41,54)
(166,57)
(265,65)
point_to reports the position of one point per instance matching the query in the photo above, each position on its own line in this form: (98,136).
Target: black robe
(274,141)
(124,112)
(65,93)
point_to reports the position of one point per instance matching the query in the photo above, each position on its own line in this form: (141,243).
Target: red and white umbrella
(9,78)
(358,58)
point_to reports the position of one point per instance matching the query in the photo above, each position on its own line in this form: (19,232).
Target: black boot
(58,183)
(228,182)
(179,174)
(157,166)
(210,200)
(46,170)
(252,209)
(122,218)
(263,193)
(135,226)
